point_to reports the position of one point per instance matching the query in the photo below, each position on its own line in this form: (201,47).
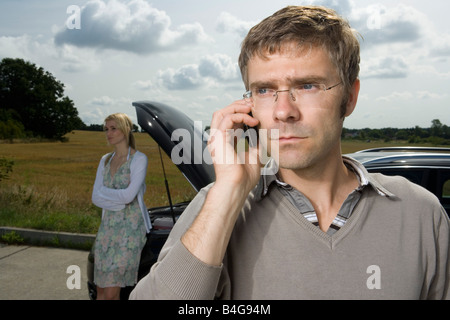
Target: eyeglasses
(309,92)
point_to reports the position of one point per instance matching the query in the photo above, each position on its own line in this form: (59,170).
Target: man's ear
(352,98)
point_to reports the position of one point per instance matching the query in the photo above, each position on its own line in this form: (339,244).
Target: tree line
(437,134)
(99,127)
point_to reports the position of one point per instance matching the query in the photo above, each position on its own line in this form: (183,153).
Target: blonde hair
(310,26)
(125,125)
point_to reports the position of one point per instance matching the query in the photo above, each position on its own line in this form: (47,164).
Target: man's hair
(305,26)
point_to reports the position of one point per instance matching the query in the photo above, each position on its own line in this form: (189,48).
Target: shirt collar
(364,178)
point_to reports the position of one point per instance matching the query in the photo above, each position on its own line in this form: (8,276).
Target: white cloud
(143,85)
(441,46)
(93,116)
(184,78)
(385,67)
(18,47)
(397,96)
(134,26)
(210,70)
(343,7)
(220,67)
(392,34)
(42,52)
(102,101)
(381,25)
(98,108)
(430,95)
(227,23)
(408,96)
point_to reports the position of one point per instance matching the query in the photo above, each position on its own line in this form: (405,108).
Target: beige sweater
(391,248)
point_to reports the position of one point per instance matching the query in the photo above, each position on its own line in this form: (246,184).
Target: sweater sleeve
(178,274)
(97,198)
(121,197)
(440,288)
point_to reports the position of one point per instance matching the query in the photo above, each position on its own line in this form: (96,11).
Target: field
(51,183)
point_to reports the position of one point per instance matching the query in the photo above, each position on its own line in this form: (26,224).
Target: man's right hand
(208,236)
(234,168)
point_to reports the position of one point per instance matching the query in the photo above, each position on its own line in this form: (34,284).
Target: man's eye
(264,92)
(308,86)
(261,91)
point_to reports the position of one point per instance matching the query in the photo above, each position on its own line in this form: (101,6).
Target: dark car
(429,167)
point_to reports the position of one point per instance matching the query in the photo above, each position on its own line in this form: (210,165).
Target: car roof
(403,156)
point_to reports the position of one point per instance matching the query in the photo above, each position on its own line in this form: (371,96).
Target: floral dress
(120,238)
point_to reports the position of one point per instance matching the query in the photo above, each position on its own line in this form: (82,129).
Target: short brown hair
(305,25)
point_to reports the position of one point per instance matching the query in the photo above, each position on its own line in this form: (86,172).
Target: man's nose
(285,108)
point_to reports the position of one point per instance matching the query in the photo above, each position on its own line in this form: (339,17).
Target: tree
(33,97)
(436,128)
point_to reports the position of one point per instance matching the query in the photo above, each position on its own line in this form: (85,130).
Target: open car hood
(160,121)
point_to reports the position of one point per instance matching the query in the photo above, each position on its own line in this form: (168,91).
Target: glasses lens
(306,94)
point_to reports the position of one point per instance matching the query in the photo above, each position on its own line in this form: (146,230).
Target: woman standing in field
(119,190)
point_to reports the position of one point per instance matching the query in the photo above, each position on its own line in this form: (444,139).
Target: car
(429,167)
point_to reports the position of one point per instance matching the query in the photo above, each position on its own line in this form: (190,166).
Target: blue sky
(184,53)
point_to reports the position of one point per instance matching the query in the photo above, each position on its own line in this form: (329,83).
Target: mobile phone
(251,134)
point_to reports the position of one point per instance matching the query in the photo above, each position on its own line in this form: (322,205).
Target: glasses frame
(248,94)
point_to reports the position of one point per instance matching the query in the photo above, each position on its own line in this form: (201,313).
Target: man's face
(309,127)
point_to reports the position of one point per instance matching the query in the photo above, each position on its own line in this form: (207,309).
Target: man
(322,227)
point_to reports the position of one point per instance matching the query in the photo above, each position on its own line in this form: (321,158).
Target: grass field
(51,183)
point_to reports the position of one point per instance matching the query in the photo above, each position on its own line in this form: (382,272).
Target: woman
(119,190)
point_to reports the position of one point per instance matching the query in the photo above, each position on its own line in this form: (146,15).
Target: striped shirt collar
(364,178)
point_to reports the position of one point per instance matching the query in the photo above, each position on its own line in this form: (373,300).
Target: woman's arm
(97,199)
(138,173)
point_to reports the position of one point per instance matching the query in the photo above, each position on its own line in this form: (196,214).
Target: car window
(446,190)
(413,175)
(436,181)
(445,183)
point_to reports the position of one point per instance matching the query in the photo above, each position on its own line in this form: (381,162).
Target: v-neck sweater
(393,247)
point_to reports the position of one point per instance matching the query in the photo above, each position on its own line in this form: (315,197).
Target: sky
(183,53)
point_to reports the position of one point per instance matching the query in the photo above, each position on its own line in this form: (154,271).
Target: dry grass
(56,179)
